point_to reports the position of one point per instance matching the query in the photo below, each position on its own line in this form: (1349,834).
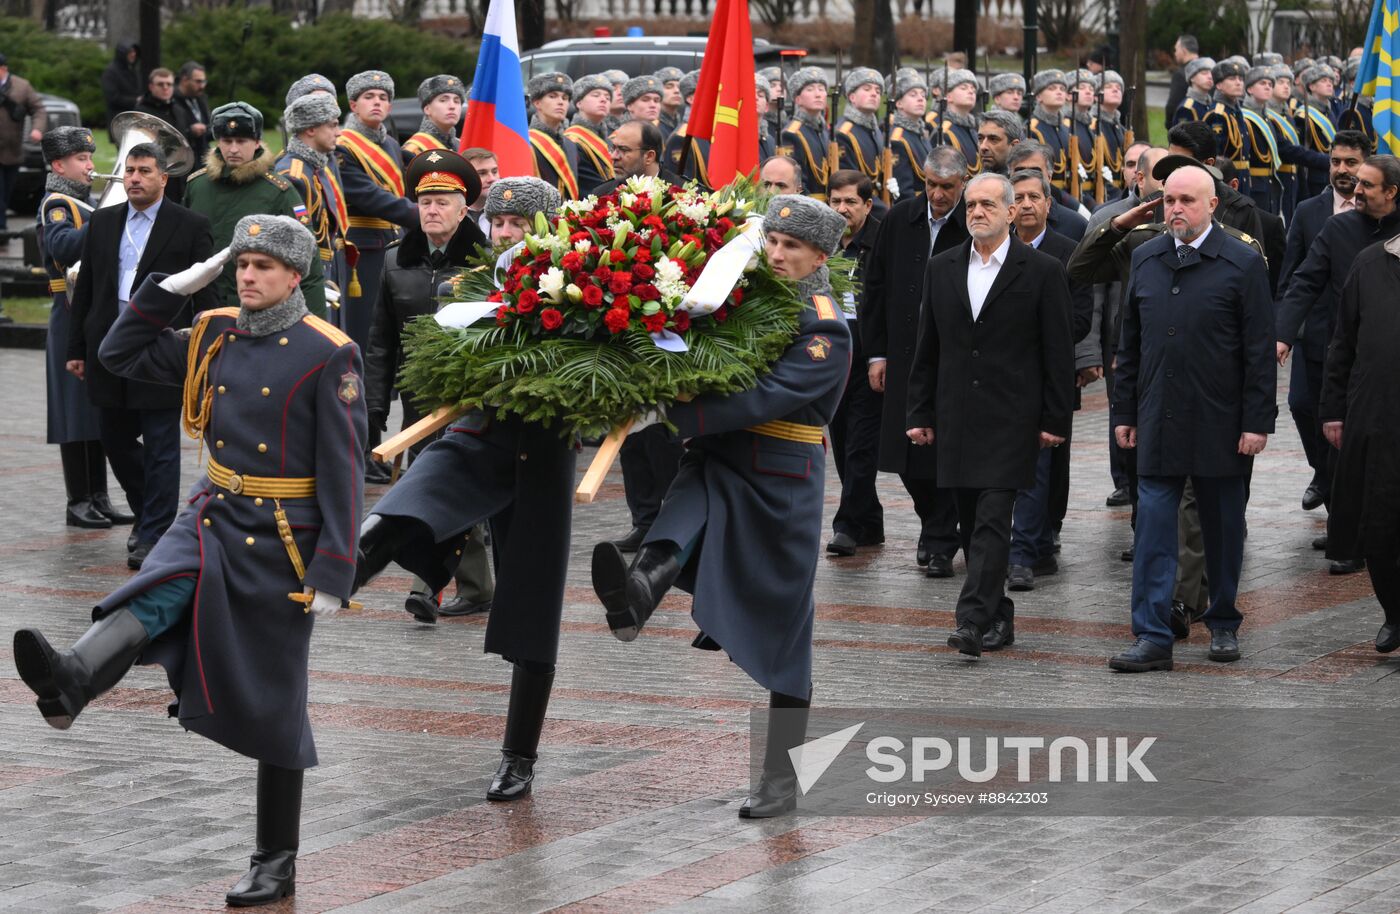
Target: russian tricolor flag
(496,107)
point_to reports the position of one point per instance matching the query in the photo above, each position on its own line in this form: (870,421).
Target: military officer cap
(441,171)
(616,77)
(1006,82)
(957,77)
(1267,59)
(804,78)
(236,119)
(1111,78)
(669,75)
(1196,66)
(638,86)
(1228,69)
(806,220)
(310,111)
(311,82)
(586,84)
(522,197)
(1257,74)
(1301,64)
(540,86)
(906,80)
(762,87)
(281,237)
(361,83)
(61,142)
(442,84)
(861,76)
(1316,72)
(689,83)
(772,74)
(1047,78)
(1170,163)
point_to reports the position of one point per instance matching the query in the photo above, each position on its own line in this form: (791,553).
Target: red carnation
(654,323)
(495,296)
(502,315)
(721,314)
(551,319)
(543,257)
(571,261)
(724,224)
(641,271)
(527,301)
(602,272)
(576,237)
(617,319)
(592,296)
(655,223)
(713,238)
(681,321)
(620,283)
(643,255)
(737,295)
(646,292)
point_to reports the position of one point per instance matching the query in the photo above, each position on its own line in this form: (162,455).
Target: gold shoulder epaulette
(845,127)
(278,181)
(326,329)
(297,168)
(896,134)
(196,174)
(793,127)
(826,308)
(216,312)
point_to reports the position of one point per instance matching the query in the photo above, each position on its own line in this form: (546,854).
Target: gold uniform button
(262,449)
(218,444)
(524,456)
(223,389)
(266,392)
(258,502)
(231,337)
(208,522)
(220,496)
(249,541)
(282,341)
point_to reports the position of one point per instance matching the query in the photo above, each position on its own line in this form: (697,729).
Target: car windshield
(578,63)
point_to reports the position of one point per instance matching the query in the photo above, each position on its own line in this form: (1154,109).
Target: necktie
(437,259)
(1183,253)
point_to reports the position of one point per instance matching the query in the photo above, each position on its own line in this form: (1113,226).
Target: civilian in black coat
(148,469)
(992,380)
(889,324)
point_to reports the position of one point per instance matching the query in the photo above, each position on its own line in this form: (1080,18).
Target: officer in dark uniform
(1200,80)
(72,419)
(1294,157)
(441,97)
(957,125)
(501,470)
(1049,125)
(594,155)
(1227,119)
(274,393)
(741,525)
(909,95)
(860,141)
(308,166)
(556,156)
(672,102)
(806,136)
(763,97)
(685,155)
(1358,115)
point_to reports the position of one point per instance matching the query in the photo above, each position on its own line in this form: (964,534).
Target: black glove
(379,420)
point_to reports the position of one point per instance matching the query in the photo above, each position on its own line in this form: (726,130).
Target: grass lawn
(28,310)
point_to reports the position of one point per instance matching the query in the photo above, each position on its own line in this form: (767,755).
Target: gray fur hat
(1111,77)
(1047,78)
(311,82)
(276,236)
(1005,82)
(1333,61)
(545,83)
(762,87)
(61,142)
(616,77)
(441,84)
(906,80)
(1317,72)
(1301,64)
(638,86)
(860,76)
(804,78)
(1258,73)
(956,77)
(361,83)
(669,75)
(772,74)
(1351,68)
(1267,59)
(586,84)
(1228,69)
(1237,58)
(1281,71)
(1075,78)
(689,83)
(1196,66)
(804,218)
(522,197)
(310,111)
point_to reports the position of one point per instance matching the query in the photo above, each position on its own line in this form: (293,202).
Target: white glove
(650,417)
(323,604)
(1107,173)
(893,185)
(332,295)
(1083,172)
(192,279)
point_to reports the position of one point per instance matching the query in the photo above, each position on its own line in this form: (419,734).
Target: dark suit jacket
(179,239)
(1175,96)
(1308,219)
(989,386)
(889,319)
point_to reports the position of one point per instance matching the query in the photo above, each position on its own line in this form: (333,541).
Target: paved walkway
(645,751)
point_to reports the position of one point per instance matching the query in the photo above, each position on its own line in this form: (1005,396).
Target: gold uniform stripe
(370,222)
(789,431)
(826,308)
(260,486)
(58,285)
(326,329)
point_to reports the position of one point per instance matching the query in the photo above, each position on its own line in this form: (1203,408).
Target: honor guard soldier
(763,98)
(306,85)
(776,90)
(1084,92)
(1316,127)
(741,526)
(860,142)
(238,180)
(72,419)
(959,124)
(1108,126)
(1007,91)
(1358,115)
(1049,126)
(556,156)
(685,155)
(642,95)
(1199,83)
(592,99)
(312,122)
(1275,153)
(441,98)
(1279,112)
(1227,119)
(370,165)
(617,111)
(909,96)
(225,600)
(806,136)
(672,103)
(495,469)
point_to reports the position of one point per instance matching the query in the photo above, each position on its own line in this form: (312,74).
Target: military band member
(370,165)
(441,98)
(1200,80)
(1048,124)
(958,124)
(72,419)
(686,155)
(592,101)
(671,101)
(1316,126)
(274,394)
(312,122)
(238,180)
(556,156)
(518,475)
(907,140)
(1007,91)
(1227,119)
(806,136)
(741,526)
(642,95)
(767,145)
(860,140)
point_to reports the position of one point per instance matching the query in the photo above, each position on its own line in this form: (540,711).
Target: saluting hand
(1142,214)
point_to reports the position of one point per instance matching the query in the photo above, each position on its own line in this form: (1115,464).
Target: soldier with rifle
(1051,128)
(806,137)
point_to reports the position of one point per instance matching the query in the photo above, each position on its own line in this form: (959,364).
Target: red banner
(723,111)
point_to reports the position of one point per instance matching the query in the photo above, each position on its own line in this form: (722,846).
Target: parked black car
(633,56)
